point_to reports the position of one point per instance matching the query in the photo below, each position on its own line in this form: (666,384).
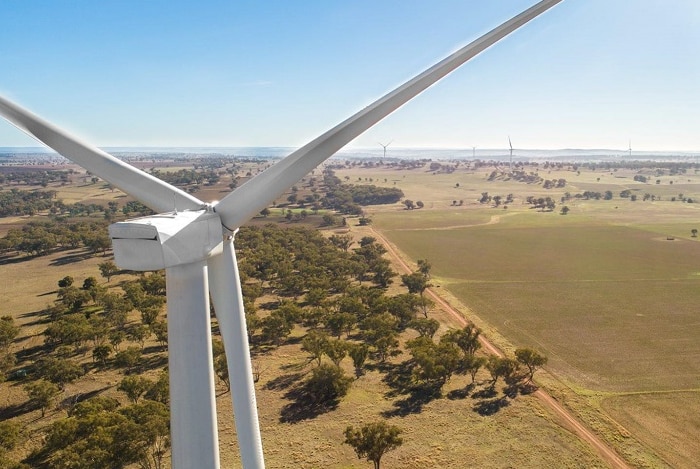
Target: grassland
(609,292)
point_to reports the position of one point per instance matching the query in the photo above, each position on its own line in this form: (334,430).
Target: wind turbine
(511,154)
(193,242)
(385,146)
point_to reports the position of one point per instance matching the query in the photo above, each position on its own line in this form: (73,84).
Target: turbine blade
(253,196)
(151,191)
(225,289)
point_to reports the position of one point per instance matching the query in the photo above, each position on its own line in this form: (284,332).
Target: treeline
(347,198)
(188,177)
(33,177)
(39,238)
(16,202)
(62,230)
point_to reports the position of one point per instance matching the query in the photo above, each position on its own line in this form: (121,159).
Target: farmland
(608,291)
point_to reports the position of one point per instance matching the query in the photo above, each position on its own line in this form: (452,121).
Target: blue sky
(587,74)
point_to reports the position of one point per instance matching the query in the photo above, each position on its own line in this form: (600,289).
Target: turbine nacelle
(166,240)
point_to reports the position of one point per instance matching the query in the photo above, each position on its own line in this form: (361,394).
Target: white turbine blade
(225,289)
(253,196)
(151,191)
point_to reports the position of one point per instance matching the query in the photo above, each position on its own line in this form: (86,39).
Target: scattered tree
(373,440)
(532,359)
(41,394)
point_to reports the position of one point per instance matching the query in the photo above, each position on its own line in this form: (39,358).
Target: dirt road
(607,453)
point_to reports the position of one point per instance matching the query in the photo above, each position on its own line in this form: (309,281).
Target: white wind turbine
(385,147)
(193,242)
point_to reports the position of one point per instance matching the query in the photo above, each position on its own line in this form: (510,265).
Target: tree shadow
(304,405)
(485,393)
(72,258)
(462,393)
(284,381)
(32,354)
(491,406)
(13,259)
(399,378)
(69,402)
(15,410)
(418,397)
(153,362)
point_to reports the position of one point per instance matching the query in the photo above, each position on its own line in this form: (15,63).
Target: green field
(614,307)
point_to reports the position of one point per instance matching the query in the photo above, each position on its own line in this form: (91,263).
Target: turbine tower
(193,242)
(385,146)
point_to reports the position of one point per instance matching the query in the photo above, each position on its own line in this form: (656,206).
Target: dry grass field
(610,292)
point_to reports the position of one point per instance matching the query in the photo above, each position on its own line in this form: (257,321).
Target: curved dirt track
(607,453)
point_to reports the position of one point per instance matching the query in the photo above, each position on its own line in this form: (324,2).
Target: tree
(41,394)
(373,440)
(128,358)
(101,353)
(160,391)
(66,281)
(694,233)
(380,331)
(7,361)
(276,327)
(9,435)
(472,364)
(359,354)
(59,371)
(531,358)
(417,283)
(435,363)
(327,384)
(426,327)
(501,367)
(314,343)
(336,350)
(160,329)
(134,387)
(424,267)
(8,331)
(466,338)
(108,269)
(564,210)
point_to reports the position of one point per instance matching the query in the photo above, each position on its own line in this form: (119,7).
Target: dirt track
(607,453)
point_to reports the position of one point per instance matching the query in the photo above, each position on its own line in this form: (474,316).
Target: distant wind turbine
(511,154)
(193,242)
(385,146)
